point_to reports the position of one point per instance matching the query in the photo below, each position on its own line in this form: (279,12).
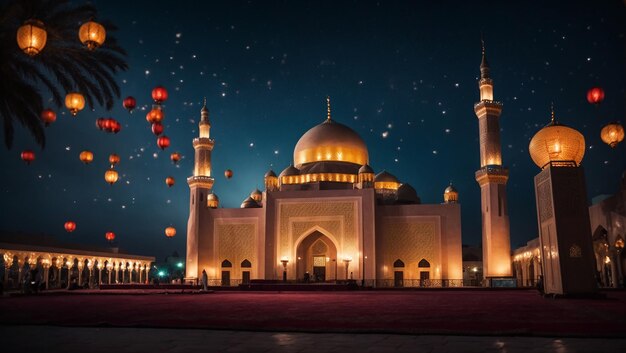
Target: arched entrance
(317,255)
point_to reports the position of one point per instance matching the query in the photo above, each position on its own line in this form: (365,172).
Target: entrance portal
(317,255)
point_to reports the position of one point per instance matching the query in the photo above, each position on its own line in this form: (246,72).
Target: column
(46,269)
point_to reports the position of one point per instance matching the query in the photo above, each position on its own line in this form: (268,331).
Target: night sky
(401,74)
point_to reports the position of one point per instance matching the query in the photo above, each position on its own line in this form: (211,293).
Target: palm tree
(64,65)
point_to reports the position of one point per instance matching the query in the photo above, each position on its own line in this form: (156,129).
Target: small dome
(384,176)
(407,194)
(450,194)
(256,195)
(450,189)
(249,203)
(212,200)
(212,197)
(291,170)
(365,168)
(556,142)
(270,173)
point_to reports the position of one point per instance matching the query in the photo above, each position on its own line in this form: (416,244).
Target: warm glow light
(114,159)
(74,102)
(612,134)
(86,157)
(607,260)
(32,37)
(170,181)
(170,232)
(92,34)
(556,142)
(111,176)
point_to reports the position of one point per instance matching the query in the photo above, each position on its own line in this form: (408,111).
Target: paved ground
(121,340)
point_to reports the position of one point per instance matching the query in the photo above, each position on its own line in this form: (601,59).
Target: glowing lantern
(70,226)
(75,102)
(556,142)
(170,232)
(155,115)
(169,181)
(86,157)
(157,128)
(595,95)
(31,37)
(163,142)
(175,157)
(115,126)
(159,94)
(110,236)
(129,103)
(111,176)
(92,34)
(228,173)
(612,134)
(48,116)
(28,156)
(114,159)
(100,123)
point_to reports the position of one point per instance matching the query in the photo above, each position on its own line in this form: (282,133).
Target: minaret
(200,184)
(492,178)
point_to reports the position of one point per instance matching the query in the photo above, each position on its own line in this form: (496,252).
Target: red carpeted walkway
(463,312)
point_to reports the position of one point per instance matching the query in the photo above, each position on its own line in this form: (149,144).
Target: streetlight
(285,261)
(347,260)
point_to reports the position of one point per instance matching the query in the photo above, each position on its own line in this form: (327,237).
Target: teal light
(180,265)
(161,273)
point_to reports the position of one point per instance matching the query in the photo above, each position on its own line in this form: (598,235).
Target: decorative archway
(316,253)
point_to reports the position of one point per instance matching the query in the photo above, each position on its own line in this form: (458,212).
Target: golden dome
(330,141)
(256,195)
(249,203)
(450,194)
(556,142)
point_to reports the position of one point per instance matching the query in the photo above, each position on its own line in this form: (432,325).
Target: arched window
(226,263)
(398,263)
(423,263)
(246,264)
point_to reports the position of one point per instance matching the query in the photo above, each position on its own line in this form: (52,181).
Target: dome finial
(328,108)
(484,65)
(552,120)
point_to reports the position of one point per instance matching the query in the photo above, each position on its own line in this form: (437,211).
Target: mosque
(331,216)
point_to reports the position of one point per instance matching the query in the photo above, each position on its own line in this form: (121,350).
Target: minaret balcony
(492,173)
(203,142)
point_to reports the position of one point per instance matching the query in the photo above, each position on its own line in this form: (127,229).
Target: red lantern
(129,103)
(48,116)
(100,123)
(228,173)
(155,115)
(157,128)
(70,226)
(159,94)
(116,126)
(595,95)
(114,159)
(110,236)
(170,232)
(28,156)
(169,181)
(163,142)
(175,157)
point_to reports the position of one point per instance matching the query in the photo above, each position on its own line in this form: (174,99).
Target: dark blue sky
(402,74)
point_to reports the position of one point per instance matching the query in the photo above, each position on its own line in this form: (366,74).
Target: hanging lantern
(70,226)
(31,37)
(169,181)
(612,134)
(129,103)
(100,123)
(75,102)
(170,232)
(111,176)
(175,157)
(155,115)
(228,173)
(163,142)
(159,94)
(92,34)
(157,129)
(28,156)
(86,157)
(48,116)
(110,236)
(114,159)
(595,95)
(115,126)
(556,143)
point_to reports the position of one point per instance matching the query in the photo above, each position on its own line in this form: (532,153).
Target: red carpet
(417,312)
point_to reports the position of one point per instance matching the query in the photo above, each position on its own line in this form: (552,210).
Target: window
(423,263)
(398,263)
(226,263)
(244,264)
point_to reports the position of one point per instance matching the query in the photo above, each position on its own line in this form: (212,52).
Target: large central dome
(330,141)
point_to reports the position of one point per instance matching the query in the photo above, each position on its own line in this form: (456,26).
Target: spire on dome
(204,108)
(328,108)
(484,65)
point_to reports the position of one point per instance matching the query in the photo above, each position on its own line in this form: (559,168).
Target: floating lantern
(595,95)
(612,134)
(100,123)
(114,159)
(92,34)
(28,156)
(86,156)
(70,226)
(157,129)
(159,94)
(163,142)
(175,157)
(155,115)
(110,236)
(170,232)
(74,102)
(129,103)
(32,37)
(48,116)
(169,181)
(111,176)
(228,173)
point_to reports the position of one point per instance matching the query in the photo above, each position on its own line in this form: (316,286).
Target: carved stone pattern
(334,227)
(319,247)
(236,242)
(346,210)
(409,242)
(575,251)
(544,193)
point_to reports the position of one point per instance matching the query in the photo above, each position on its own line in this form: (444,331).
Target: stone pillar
(46,271)
(147,273)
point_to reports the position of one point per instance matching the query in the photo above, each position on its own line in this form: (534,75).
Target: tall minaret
(200,184)
(492,178)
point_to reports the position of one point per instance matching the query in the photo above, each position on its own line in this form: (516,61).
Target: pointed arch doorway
(317,255)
